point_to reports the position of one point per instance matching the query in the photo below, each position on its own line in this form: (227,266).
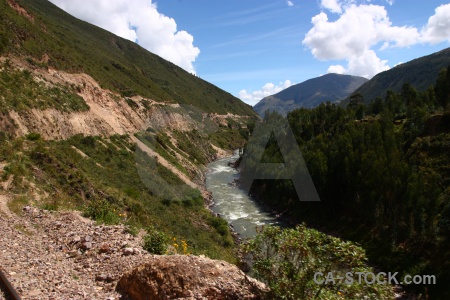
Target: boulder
(188,277)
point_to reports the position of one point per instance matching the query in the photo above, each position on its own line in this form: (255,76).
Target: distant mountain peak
(310,93)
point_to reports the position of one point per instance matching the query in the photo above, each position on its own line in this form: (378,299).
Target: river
(232,203)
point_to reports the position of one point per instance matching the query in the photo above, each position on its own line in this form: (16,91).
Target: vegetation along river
(232,203)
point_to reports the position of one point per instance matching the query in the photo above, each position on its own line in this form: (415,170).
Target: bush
(102,212)
(33,136)
(288,259)
(155,241)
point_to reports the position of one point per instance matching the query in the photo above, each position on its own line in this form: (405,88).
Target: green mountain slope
(421,73)
(43,29)
(74,99)
(310,93)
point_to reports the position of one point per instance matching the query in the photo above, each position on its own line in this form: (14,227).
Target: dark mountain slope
(420,73)
(42,30)
(310,93)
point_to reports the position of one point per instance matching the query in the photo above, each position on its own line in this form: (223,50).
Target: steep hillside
(48,37)
(310,93)
(95,123)
(421,73)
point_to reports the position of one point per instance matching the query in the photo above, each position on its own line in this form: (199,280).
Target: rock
(76,239)
(104,248)
(86,246)
(174,277)
(101,277)
(73,253)
(87,238)
(127,251)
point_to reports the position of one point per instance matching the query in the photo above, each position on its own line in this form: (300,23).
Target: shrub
(102,212)
(155,241)
(33,136)
(288,259)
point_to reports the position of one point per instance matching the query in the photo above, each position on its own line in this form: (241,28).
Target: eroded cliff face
(108,114)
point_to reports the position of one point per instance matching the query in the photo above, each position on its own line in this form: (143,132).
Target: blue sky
(254,48)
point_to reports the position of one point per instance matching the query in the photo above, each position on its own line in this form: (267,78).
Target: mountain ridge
(310,93)
(421,73)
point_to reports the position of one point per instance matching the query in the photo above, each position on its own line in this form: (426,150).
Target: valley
(116,163)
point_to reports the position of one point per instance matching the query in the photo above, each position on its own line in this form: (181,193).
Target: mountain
(421,73)
(47,36)
(310,93)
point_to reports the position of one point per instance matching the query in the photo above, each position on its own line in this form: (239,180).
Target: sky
(255,48)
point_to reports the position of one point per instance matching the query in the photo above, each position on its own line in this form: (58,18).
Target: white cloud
(438,27)
(289,3)
(338,69)
(365,65)
(360,28)
(332,5)
(268,89)
(351,37)
(138,21)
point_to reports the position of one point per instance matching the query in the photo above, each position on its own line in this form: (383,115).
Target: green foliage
(20,91)
(442,87)
(17,203)
(195,145)
(33,136)
(107,186)
(163,146)
(288,259)
(155,241)
(102,211)
(230,139)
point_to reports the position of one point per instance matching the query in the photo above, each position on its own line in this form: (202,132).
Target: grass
(116,193)
(17,203)
(21,228)
(161,144)
(230,139)
(20,91)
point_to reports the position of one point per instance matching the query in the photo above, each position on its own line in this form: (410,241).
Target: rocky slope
(61,255)
(109,113)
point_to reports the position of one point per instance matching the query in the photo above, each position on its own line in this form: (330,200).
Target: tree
(355,100)
(442,87)
(295,262)
(376,106)
(409,95)
(393,103)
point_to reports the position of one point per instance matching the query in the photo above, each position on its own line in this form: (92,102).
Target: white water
(232,203)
